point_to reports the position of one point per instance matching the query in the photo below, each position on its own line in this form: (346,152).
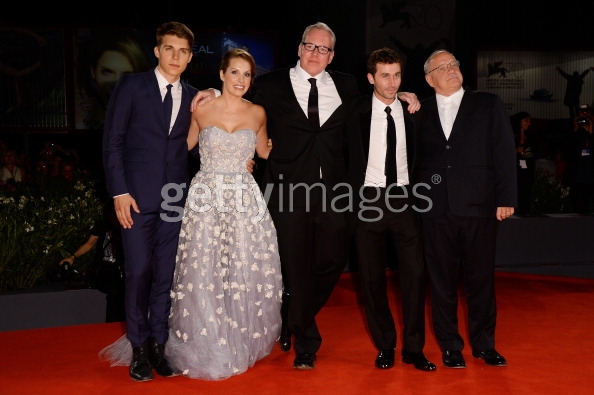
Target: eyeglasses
(322,50)
(454,64)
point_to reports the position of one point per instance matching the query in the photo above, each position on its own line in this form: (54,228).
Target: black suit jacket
(299,149)
(358,134)
(474,171)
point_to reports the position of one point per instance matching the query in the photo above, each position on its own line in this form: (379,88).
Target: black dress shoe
(284,341)
(140,367)
(158,361)
(491,357)
(453,359)
(419,360)
(305,361)
(385,359)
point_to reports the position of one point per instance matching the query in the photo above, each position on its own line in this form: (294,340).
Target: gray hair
(320,26)
(433,54)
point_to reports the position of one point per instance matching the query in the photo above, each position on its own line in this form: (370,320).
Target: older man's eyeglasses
(322,50)
(454,64)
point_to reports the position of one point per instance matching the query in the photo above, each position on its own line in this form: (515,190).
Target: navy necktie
(168,107)
(312,104)
(390,169)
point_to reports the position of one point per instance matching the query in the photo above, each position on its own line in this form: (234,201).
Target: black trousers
(312,248)
(462,246)
(400,226)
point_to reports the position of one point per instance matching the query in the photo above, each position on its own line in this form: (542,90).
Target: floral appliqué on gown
(227,286)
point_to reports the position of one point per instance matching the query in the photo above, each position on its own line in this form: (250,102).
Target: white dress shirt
(448,109)
(176,94)
(328,98)
(375,174)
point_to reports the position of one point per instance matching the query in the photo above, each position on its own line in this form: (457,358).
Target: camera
(583,120)
(584,115)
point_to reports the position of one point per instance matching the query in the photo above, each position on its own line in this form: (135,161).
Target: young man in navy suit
(386,213)
(145,158)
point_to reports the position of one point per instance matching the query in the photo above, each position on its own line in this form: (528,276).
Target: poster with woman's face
(102,57)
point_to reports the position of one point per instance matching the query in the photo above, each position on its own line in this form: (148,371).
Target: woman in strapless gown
(227,286)
(226,292)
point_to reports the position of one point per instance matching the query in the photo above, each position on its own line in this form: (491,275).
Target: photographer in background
(580,164)
(106,272)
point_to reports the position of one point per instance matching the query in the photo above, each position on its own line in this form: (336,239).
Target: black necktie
(312,104)
(390,169)
(168,106)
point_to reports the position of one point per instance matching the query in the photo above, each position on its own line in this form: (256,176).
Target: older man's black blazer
(474,171)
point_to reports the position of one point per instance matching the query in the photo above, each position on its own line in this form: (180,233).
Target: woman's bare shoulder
(256,108)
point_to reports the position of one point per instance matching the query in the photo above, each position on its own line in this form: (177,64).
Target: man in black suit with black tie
(466,158)
(380,164)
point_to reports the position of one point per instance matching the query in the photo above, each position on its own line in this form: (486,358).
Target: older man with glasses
(466,158)
(306,109)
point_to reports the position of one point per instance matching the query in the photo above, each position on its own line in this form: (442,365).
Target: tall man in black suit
(466,155)
(384,206)
(305,163)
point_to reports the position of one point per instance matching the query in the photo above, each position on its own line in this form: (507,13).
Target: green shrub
(549,196)
(39,227)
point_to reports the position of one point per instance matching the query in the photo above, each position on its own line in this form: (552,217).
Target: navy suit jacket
(140,157)
(474,171)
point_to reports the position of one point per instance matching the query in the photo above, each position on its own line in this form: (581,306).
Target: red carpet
(544,330)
